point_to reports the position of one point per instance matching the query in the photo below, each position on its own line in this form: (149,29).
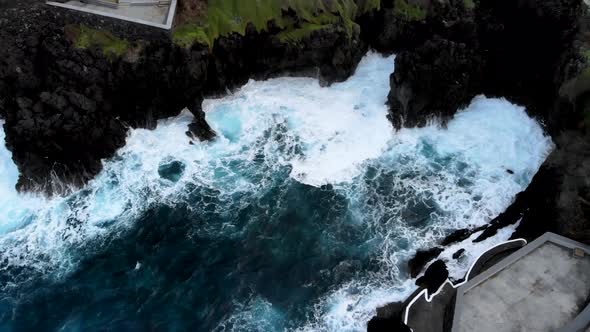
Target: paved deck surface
(427,316)
(542,291)
(154,14)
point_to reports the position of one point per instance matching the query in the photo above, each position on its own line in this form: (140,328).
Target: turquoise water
(300,216)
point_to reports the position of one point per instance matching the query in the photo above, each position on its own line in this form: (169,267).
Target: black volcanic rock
(457,254)
(436,274)
(525,44)
(514,49)
(378,324)
(432,82)
(199,128)
(67,108)
(530,52)
(389,31)
(421,258)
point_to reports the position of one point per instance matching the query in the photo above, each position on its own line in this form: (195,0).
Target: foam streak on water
(285,144)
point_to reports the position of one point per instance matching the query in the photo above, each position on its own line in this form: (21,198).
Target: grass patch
(469,4)
(297,35)
(84,37)
(409,11)
(224,17)
(586,54)
(190,34)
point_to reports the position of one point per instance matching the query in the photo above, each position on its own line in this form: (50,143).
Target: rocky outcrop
(436,274)
(379,324)
(406,24)
(526,43)
(67,106)
(432,82)
(535,53)
(515,49)
(421,259)
(389,319)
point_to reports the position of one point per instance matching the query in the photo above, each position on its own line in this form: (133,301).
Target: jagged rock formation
(535,54)
(514,49)
(406,24)
(70,89)
(433,82)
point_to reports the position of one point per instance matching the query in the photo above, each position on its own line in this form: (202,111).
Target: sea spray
(301,215)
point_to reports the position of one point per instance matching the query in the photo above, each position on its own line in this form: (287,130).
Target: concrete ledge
(167,25)
(429,297)
(579,323)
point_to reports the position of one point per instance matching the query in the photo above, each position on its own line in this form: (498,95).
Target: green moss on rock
(297,35)
(84,37)
(225,17)
(190,34)
(410,12)
(469,4)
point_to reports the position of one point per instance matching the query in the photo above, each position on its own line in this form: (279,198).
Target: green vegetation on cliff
(189,34)
(296,35)
(469,4)
(84,37)
(409,11)
(224,17)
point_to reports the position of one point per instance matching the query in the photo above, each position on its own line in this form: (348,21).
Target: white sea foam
(337,127)
(13,209)
(406,188)
(257,315)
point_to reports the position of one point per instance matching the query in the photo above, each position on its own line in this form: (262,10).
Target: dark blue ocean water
(301,216)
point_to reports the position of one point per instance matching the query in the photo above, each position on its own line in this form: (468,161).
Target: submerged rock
(199,128)
(458,254)
(172,170)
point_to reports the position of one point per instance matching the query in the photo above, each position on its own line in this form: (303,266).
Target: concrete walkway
(137,11)
(430,316)
(543,290)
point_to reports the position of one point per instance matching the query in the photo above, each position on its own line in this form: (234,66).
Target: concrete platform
(542,287)
(425,313)
(430,316)
(158,14)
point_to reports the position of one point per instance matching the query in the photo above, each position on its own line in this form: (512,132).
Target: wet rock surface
(67,108)
(377,324)
(515,49)
(389,318)
(436,274)
(421,259)
(432,82)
